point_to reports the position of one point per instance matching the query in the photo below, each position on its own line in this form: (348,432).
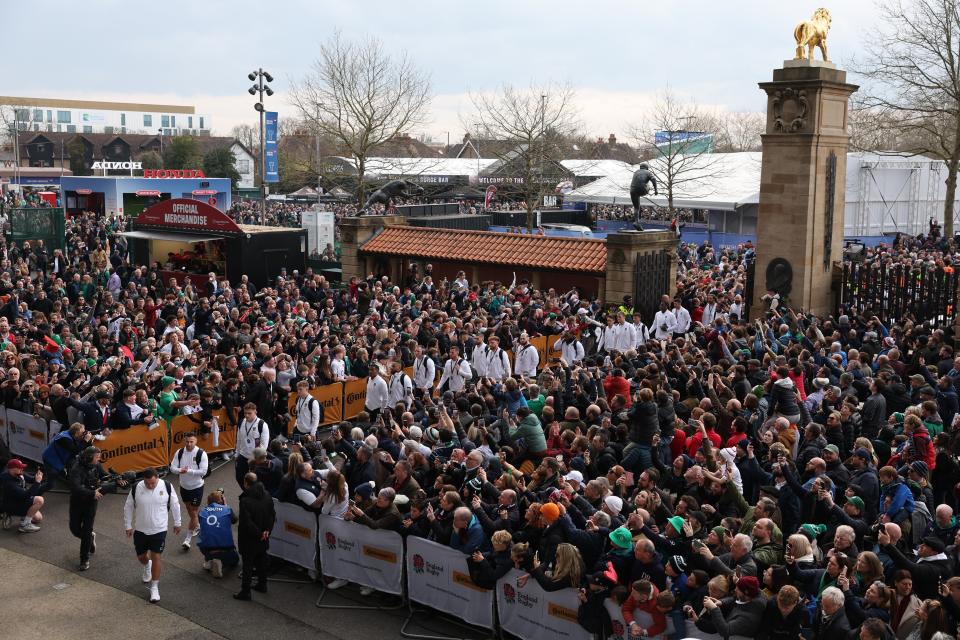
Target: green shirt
(165,401)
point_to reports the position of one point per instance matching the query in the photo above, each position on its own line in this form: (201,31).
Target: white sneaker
(216,568)
(338,583)
(206,565)
(28,528)
(147,576)
(186,543)
(366,591)
(154,594)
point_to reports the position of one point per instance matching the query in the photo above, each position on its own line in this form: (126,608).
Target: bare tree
(533,126)
(360,96)
(875,130)
(912,73)
(737,131)
(678,135)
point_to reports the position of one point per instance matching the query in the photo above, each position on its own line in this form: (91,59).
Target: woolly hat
(166,381)
(812,531)
(678,563)
(749,586)
(676,522)
(550,512)
(857,502)
(920,468)
(621,538)
(720,532)
(614,504)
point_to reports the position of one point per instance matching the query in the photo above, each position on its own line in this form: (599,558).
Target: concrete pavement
(110,596)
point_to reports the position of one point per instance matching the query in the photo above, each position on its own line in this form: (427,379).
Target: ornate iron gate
(652,281)
(896,292)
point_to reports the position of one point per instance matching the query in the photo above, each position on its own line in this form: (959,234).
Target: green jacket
(536,404)
(531,432)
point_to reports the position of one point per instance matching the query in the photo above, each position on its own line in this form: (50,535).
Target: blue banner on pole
(272,172)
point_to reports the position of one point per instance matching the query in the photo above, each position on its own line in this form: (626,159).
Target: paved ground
(193,604)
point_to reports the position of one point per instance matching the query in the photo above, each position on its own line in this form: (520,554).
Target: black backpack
(196,459)
(133,492)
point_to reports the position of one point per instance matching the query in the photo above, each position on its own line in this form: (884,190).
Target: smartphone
(692,422)
(698,544)
(629,478)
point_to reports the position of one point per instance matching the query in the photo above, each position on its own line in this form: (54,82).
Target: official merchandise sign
(294,535)
(531,613)
(354,397)
(186,214)
(26,435)
(136,448)
(369,557)
(438,577)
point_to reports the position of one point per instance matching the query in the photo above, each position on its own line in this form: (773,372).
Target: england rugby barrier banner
(294,535)
(438,577)
(26,435)
(368,557)
(222,436)
(531,613)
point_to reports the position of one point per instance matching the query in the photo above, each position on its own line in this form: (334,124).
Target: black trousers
(253,561)
(241,467)
(82,514)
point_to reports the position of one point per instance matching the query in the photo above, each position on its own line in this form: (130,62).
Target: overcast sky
(616,54)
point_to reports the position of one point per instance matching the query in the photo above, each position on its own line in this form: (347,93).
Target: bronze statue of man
(642,177)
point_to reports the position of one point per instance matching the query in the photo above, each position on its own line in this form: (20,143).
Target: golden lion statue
(812,33)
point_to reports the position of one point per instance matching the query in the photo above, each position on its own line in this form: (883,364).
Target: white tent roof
(599,168)
(381,167)
(719,181)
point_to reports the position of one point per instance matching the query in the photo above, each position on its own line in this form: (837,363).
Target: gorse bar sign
(185,214)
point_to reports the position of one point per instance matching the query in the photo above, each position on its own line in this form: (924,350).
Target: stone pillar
(624,248)
(354,232)
(802,184)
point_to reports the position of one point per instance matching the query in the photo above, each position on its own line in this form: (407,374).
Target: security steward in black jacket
(87,486)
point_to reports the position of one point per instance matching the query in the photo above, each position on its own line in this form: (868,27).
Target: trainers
(93,542)
(207,564)
(84,565)
(147,571)
(336,584)
(28,528)
(216,568)
(186,544)
(366,591)
(154,594)
(196,532)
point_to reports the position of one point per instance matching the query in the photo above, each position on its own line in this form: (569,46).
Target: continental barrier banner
(294,535)
(222,437)
(354,395)
(438,577)
(531,613)
(330,397)
(26,435)
(136,448)
(365,556)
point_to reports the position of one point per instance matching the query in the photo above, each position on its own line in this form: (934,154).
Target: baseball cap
(614,503)
(574,476)
(15,464)
(415,432)
(832,448)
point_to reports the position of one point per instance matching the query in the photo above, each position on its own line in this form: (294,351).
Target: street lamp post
(160,133)
(260,87)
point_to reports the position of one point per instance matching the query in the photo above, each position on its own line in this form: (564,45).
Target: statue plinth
(802,185)
(803,62)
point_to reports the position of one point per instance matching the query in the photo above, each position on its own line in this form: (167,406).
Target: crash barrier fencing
(423,572)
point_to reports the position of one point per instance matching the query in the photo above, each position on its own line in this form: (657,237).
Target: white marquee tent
(885,193)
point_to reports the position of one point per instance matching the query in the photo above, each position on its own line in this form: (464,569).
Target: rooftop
(95,104)
(511,249)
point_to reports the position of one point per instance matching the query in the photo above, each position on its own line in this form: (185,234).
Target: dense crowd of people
(712,476)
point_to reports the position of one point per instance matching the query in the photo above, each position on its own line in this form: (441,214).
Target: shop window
(147,120)
(63,117)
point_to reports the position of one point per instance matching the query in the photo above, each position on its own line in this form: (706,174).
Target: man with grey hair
(830,621)
(740,555)
(383,514)
(467,535)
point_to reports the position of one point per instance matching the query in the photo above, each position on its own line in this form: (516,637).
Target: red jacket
(617,385)
(650,607)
